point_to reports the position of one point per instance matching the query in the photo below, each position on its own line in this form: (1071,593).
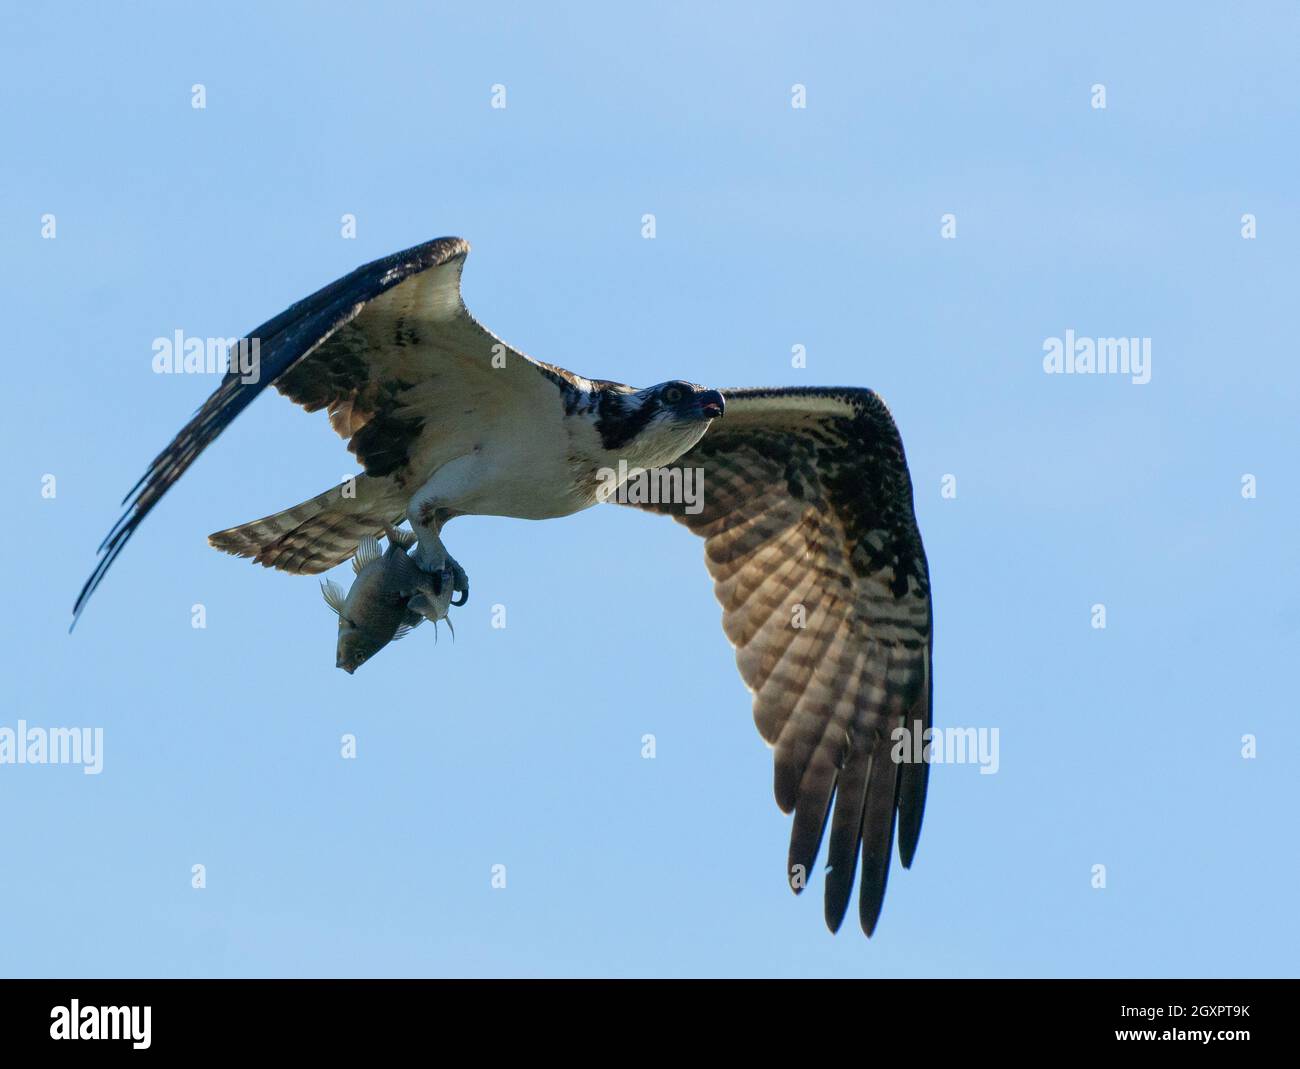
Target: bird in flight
(809,530)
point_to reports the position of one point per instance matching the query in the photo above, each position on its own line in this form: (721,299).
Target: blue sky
(776,227)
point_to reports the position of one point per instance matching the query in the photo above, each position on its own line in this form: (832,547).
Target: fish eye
(673,394)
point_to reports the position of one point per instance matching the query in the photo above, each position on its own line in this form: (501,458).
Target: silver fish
(390,595)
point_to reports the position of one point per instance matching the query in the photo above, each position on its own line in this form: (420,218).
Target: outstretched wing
(394,356)
(812,542)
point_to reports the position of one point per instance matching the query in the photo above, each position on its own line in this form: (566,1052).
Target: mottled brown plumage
(808,519)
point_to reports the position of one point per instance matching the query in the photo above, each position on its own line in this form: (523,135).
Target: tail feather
(319,533)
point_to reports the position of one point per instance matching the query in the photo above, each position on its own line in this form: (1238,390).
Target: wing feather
(877,833)
(811,539)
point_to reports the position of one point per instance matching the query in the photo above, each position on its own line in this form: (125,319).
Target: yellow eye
(673,395)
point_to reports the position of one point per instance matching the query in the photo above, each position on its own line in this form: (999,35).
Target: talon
(459,584)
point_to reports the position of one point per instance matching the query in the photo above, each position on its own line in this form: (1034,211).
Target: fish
(390,595)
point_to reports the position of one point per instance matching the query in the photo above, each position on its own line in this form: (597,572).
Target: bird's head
(656,425)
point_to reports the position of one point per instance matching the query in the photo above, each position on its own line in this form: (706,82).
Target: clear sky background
(775,227)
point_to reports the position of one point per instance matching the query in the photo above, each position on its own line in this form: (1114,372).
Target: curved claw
(459,584)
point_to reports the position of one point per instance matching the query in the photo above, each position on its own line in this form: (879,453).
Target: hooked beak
(711,404)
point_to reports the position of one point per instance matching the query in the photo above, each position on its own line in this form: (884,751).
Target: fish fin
(398,537)
(333,595)
(402,631)
(367,550)
(410,579)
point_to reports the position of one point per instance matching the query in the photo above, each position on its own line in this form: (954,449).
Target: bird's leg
(423,512)
(431,555)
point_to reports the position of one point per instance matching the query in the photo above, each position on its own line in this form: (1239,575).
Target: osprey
(807,520)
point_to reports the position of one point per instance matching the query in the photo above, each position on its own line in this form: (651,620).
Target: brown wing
(812,542)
